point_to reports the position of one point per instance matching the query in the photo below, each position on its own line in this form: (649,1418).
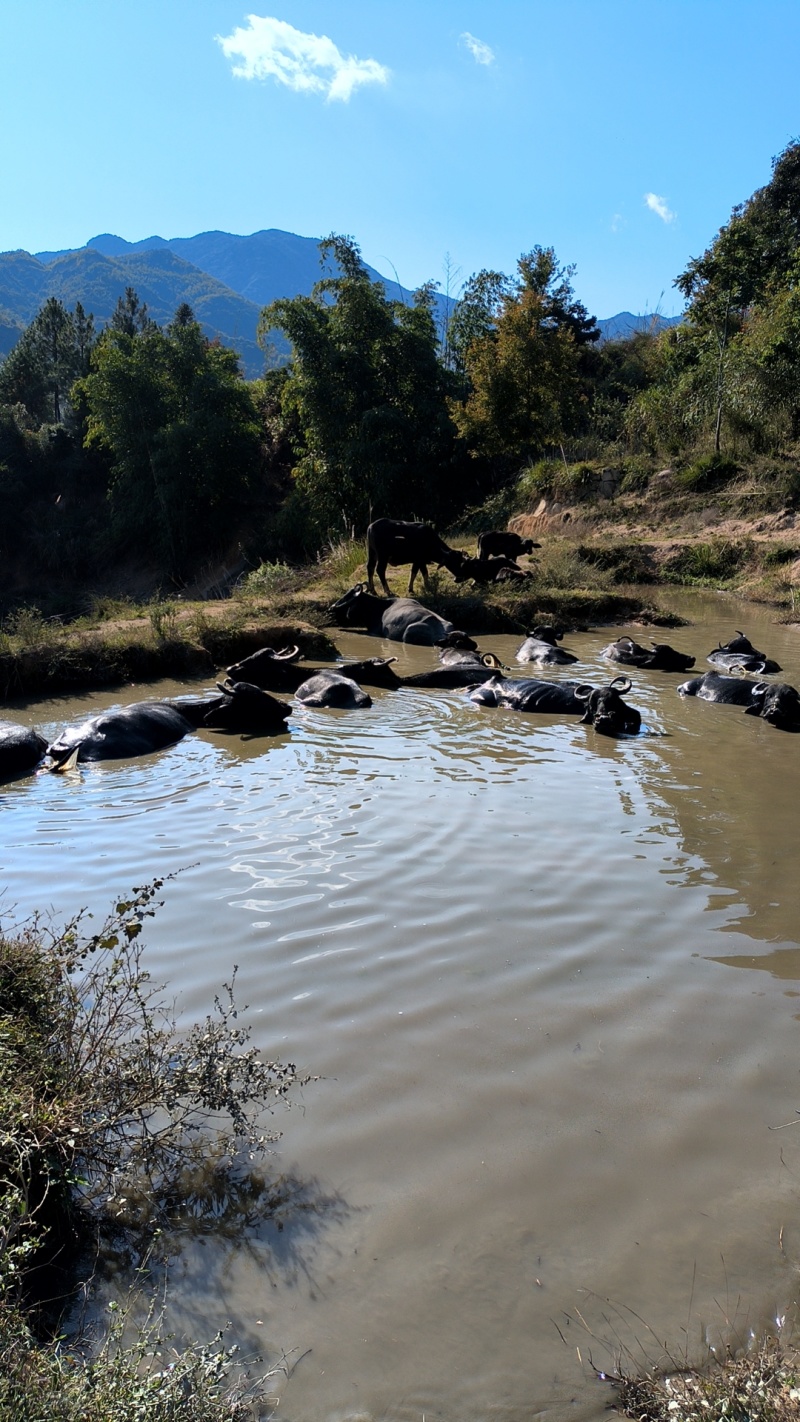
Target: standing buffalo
(661,657)
(390,540)
(494,542)
(740,655)
(400,619)
(21,749)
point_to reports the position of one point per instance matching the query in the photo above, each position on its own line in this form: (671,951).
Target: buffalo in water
(541,649)
(775,702)
(21,750)
(740,655)
(601,707)
(151,725)
(659,657)
(399,619)
(331,688)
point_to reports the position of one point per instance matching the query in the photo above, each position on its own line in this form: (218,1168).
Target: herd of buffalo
(246,701)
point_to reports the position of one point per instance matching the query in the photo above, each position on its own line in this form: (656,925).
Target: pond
(550,984)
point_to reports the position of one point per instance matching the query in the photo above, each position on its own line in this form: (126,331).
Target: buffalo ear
(621,684)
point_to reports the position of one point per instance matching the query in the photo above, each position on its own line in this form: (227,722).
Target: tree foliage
(368,398)
(50,355)
(182,430)
(522,347)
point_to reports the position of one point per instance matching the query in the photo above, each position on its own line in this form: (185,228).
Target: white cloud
(618,222)
(267,48)
(658,205)
(480,52)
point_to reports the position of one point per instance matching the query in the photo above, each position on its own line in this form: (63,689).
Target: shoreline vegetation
(119,1133)
(594,574)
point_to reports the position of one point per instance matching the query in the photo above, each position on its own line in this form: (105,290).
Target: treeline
(145,448)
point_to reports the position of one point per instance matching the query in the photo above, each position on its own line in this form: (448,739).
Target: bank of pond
(248,700)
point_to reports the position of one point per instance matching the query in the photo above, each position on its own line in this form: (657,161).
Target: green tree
(523,346)
(368,395)
(182,430)
(49,356)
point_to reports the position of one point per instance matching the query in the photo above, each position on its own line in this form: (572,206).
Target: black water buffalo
(488,570)
(390,540)
(527,694)
(601,707)
(151,725)
(776,702)
(269,669)
(21,749)
(541,649)
(659,657)
(606,710)
(332,688)
(400,619)
(740,655)
(495,542)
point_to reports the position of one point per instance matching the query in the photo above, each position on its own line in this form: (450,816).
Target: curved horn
(489,659)
(64,760)
(621,684)
(288,654)
(583,691)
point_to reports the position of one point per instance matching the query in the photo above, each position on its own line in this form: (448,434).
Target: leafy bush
(627,562)
(269,578)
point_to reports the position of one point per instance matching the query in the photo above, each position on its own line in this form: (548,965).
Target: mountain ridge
(225,277)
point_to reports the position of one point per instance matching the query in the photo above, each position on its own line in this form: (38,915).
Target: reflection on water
(496,939)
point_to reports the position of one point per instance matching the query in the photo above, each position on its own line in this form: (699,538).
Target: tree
(523,348)
(182,430)
(369,397)
(49,356)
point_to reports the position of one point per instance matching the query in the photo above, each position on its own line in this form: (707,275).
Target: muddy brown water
(551,986)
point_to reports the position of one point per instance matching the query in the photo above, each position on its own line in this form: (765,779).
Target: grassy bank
(116,1131)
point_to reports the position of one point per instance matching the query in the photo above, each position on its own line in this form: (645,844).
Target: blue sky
(620,132)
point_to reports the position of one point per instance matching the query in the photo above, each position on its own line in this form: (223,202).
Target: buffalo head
(606,710)
(778,703)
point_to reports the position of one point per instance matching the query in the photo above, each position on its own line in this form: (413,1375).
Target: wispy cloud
(480,52)
(618,222)
(658,205)
(267,48)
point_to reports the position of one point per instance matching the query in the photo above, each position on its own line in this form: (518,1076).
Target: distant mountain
(226,279)
(624,324)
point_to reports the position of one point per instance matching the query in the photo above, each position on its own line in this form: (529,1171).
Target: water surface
(512,952)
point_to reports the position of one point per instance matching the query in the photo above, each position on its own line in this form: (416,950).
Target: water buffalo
(331,688)
(606,710)
(270,669)
(601,707)
(541,649)
(151,725)
(740,655)
(400,619)
(488,570)
(390,540)
(659,657)
(495,542)
(21,749)
(776,702)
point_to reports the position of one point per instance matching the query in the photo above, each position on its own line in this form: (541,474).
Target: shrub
(712,471)
(714,562)
(267,579)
